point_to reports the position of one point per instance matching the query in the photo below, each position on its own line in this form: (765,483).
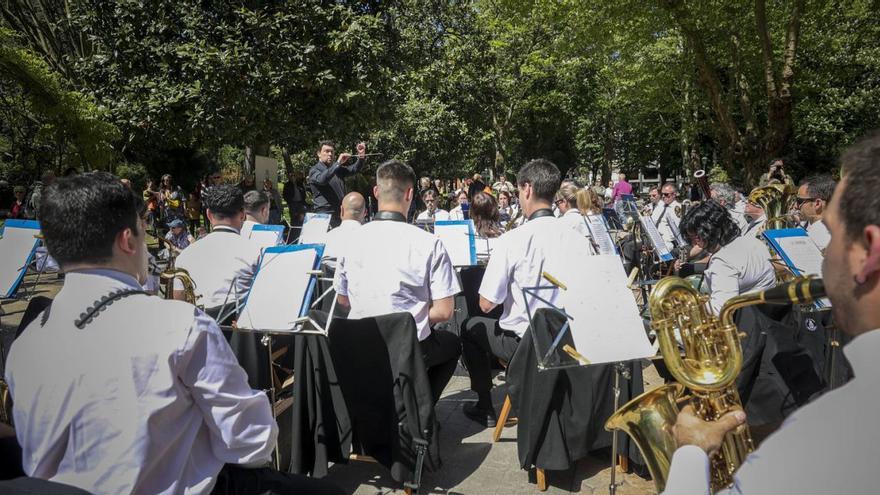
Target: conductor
(326,178)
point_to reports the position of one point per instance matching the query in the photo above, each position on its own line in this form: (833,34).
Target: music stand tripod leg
(619,370)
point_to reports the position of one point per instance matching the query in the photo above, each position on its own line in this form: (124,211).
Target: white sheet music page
(17,244)
(275,300)
(654,234)
(805,257)
(606,325)
(314,229)
(266,238)
(459,242)
(601,236)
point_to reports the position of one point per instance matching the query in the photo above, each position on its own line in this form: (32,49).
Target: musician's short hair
(393,178)
(724,191)
(326,142)
(860,206)
(820,186)
(543,176)
(670,184)
(81,215)
(428,192)
(254,201)
(712,223)
(224,200)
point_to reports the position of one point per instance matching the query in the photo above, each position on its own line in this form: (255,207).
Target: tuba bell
(776,201)
(711,363)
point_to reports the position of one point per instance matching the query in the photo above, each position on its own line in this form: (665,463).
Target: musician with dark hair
(738,264)
(519,259)
(326,178)
(832,443)
(223,263)
(813,196)
(375,276)
(144,395)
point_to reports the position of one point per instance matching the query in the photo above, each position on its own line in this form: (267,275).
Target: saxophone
(189,286)
(5,403)
(711,363)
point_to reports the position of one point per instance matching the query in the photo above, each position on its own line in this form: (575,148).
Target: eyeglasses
(558,202)
(667,195)
(800,201)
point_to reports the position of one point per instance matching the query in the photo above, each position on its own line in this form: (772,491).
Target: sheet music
(267,235)
(314,229)
(606,325)
(457,237)
(654,234)
(799,252)
(282,288)
(599,233)
(17,245)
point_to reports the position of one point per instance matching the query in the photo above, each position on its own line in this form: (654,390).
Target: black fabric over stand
(363,389)
(562,412)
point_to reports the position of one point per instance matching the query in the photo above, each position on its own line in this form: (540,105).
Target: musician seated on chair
(831,445)
(737,264)
(116,391)
(223,264)
(520,256)
(353,213)
(256,211)
(390,266)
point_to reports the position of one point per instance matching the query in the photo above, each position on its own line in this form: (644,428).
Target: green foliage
(48,113)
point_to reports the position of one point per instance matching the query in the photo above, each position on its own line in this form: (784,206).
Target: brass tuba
(776,200)
(711,363)
(189,286)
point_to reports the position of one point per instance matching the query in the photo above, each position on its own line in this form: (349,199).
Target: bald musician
(390,266)
(831,445)
(353,212)
(116,391)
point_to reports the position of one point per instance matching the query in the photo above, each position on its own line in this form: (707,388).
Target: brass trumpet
(711,363)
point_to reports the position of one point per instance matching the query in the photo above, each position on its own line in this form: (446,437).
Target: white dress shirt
(752,228)
(819,233)
(666,221)
(391,267)
(213,263)
(456,213)
(576,221)
(147,398)
(829,446)
(339,237)
(439,214)
(739,218)
(740,267)
(519,258)
(246,228)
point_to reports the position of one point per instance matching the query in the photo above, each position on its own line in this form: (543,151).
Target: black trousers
(440,351)
(481,339)
(237,480)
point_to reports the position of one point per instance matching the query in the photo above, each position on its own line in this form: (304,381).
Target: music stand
(627,344)
(18,243)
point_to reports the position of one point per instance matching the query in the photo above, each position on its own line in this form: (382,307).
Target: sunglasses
(800,201)
(667,195)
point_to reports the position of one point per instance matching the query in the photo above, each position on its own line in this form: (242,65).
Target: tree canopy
(451,86)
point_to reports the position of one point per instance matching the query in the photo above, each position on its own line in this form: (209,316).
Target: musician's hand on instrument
(343,158)
(678,264)
(362,150)
(689,429)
